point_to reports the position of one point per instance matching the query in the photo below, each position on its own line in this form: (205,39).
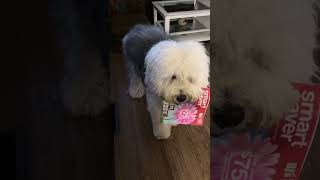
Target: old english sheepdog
(260,48)
(163,69)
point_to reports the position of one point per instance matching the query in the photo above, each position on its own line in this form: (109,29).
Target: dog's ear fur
(258,57)
(153,61)
(224,55)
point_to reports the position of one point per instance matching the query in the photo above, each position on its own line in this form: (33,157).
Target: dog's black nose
(181,98)
(228,116)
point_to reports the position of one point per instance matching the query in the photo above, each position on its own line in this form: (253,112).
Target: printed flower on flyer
(185,114)
(243,158)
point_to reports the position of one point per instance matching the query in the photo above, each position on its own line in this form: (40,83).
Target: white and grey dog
(260,48)
(171,71)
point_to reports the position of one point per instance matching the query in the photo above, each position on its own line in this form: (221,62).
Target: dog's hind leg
(136,87)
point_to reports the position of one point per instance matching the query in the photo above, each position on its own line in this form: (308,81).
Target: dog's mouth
(252,118)
(179,100)
(228,116)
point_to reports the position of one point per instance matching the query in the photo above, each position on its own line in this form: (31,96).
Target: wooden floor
(139,156)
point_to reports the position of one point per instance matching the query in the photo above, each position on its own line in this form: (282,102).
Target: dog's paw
(162,132)
(136,90)
(162,136)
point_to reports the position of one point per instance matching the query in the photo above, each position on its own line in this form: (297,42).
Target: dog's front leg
(160,131)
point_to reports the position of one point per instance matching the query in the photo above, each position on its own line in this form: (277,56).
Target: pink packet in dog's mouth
(186,113)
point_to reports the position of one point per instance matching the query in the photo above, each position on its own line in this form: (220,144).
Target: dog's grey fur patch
(138,41)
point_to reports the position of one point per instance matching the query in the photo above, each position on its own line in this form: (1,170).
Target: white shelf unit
(200,16)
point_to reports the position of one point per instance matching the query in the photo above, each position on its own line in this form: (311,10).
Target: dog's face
(177,71)
(257,57)
(248,88)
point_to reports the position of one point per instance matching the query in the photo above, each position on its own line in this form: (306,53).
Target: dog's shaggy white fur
(261,47)
(171,69)
(188,62)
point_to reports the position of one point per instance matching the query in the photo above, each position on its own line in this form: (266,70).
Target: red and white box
(186,113)
(278,153)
